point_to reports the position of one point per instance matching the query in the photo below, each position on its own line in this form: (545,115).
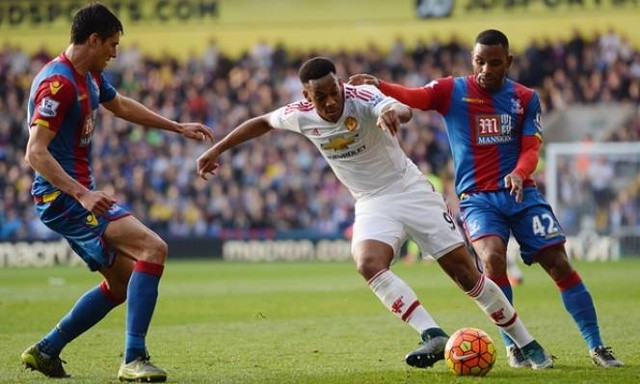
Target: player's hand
(196,131)
(513,182)
(97,202)
(207,163)
(364,78)
(389,121)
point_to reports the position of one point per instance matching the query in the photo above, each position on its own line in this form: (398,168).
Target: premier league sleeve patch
(48,107)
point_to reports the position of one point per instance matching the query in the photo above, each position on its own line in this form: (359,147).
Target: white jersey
(366,159)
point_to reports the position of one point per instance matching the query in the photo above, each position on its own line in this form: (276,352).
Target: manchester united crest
(351,123)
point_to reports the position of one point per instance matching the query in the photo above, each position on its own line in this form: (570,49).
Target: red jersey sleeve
(53,98)
(528,159)
(434,96)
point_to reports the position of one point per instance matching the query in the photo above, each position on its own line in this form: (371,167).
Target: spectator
(279,178)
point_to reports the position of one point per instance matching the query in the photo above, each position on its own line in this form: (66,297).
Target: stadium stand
(278,185)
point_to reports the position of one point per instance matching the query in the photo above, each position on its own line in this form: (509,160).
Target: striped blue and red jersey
(485,130)
(67,102)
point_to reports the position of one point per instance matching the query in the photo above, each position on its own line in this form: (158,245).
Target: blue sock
(578,302)
(87,312)
(142,293)
(505,286)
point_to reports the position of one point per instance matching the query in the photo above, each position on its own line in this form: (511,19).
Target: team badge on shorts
(351,123)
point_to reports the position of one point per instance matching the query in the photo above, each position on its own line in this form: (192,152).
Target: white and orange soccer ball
(470,352)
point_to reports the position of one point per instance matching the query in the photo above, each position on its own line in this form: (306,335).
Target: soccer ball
(470,352)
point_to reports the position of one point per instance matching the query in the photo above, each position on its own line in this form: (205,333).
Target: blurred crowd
(601,194)
(276,185)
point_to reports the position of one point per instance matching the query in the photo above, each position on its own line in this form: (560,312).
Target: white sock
(400,299)
(494,303)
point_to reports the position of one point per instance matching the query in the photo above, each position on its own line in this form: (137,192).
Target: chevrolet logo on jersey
(55,87)
(92,220)
(339,143)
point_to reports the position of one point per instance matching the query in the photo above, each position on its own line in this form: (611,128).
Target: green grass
(310,323)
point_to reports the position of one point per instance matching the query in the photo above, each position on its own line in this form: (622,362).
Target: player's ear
(509,60)
(94,39)
(306,95)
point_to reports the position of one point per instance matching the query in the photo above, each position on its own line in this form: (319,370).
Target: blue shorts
(83,230)
(496,213)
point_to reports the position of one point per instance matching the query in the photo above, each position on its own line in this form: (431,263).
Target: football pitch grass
(309,322)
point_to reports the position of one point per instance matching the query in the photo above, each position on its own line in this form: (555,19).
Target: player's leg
(429,223)
(376,239)
(488,296)
(83,232)
(373,259)
(542,240)
(484,221)
(577,301)
(131,238)
(92,307)
(491,250)
(436,233)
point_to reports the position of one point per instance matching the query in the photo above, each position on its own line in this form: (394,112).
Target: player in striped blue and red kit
(354,129)
(63,103)
(495,132)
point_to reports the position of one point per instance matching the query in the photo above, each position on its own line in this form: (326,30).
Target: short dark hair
(492,37)
(316,68)
(94,18)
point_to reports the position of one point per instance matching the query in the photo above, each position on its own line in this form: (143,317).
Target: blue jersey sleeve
(532,125)
(107,91)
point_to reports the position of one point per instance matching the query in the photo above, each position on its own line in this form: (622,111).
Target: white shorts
(417,212)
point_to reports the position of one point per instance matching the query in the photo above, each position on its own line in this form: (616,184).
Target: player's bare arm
(527,162)
(364,79)
(392,116)
(257,126)
(133,111)
(40,159)
(513,182)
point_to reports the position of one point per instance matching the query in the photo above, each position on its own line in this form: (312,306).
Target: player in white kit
(354,128)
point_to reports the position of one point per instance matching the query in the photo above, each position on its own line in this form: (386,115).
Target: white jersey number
(539,227)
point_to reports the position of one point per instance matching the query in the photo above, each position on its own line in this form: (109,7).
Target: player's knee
(555,261)
(459,267)
(494,263)
(156,250)
(369,265)
(468,279)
